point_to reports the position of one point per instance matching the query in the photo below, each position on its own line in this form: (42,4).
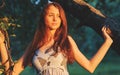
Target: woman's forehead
(52,9)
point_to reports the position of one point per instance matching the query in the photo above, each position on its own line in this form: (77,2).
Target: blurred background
(20,18)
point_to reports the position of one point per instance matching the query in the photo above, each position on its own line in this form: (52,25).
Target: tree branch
(3,4)
(81,2)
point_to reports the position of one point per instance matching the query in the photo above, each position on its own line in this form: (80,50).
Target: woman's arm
(3,52)
(91,64)
(4,56)
(18,67)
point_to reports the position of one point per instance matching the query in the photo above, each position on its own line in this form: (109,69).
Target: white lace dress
(47,64)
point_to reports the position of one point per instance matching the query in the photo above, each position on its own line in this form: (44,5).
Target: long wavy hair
(42,34)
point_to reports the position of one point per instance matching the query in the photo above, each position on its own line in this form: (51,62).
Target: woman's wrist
(109,40)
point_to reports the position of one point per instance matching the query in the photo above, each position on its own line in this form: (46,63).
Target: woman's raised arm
(91,64)
(18,67)
(3,52)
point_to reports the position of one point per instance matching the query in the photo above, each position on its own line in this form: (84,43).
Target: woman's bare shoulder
(70,38)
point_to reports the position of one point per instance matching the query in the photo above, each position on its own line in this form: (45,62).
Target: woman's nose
(54,18)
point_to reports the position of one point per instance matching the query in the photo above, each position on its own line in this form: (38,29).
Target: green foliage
(2,68)
(6,24)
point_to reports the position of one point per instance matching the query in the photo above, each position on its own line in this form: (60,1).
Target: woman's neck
(52,32)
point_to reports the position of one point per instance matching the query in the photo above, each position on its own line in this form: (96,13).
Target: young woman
(52,48)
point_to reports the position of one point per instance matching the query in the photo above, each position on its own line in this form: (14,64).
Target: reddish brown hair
(41,36)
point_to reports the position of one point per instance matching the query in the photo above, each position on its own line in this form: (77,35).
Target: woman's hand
(106,33)
(2,38)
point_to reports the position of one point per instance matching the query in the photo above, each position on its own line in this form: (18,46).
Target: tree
(92,17)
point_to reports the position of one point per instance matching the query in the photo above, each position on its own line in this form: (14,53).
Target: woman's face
(52,18)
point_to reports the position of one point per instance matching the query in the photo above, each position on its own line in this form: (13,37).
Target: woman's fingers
(107,30)
(106,33)
(104,30)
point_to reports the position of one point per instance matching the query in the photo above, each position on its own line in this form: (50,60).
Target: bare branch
(3,4)
(81,2)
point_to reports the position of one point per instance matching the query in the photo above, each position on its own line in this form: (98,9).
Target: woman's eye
(50,15)
(58,16)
